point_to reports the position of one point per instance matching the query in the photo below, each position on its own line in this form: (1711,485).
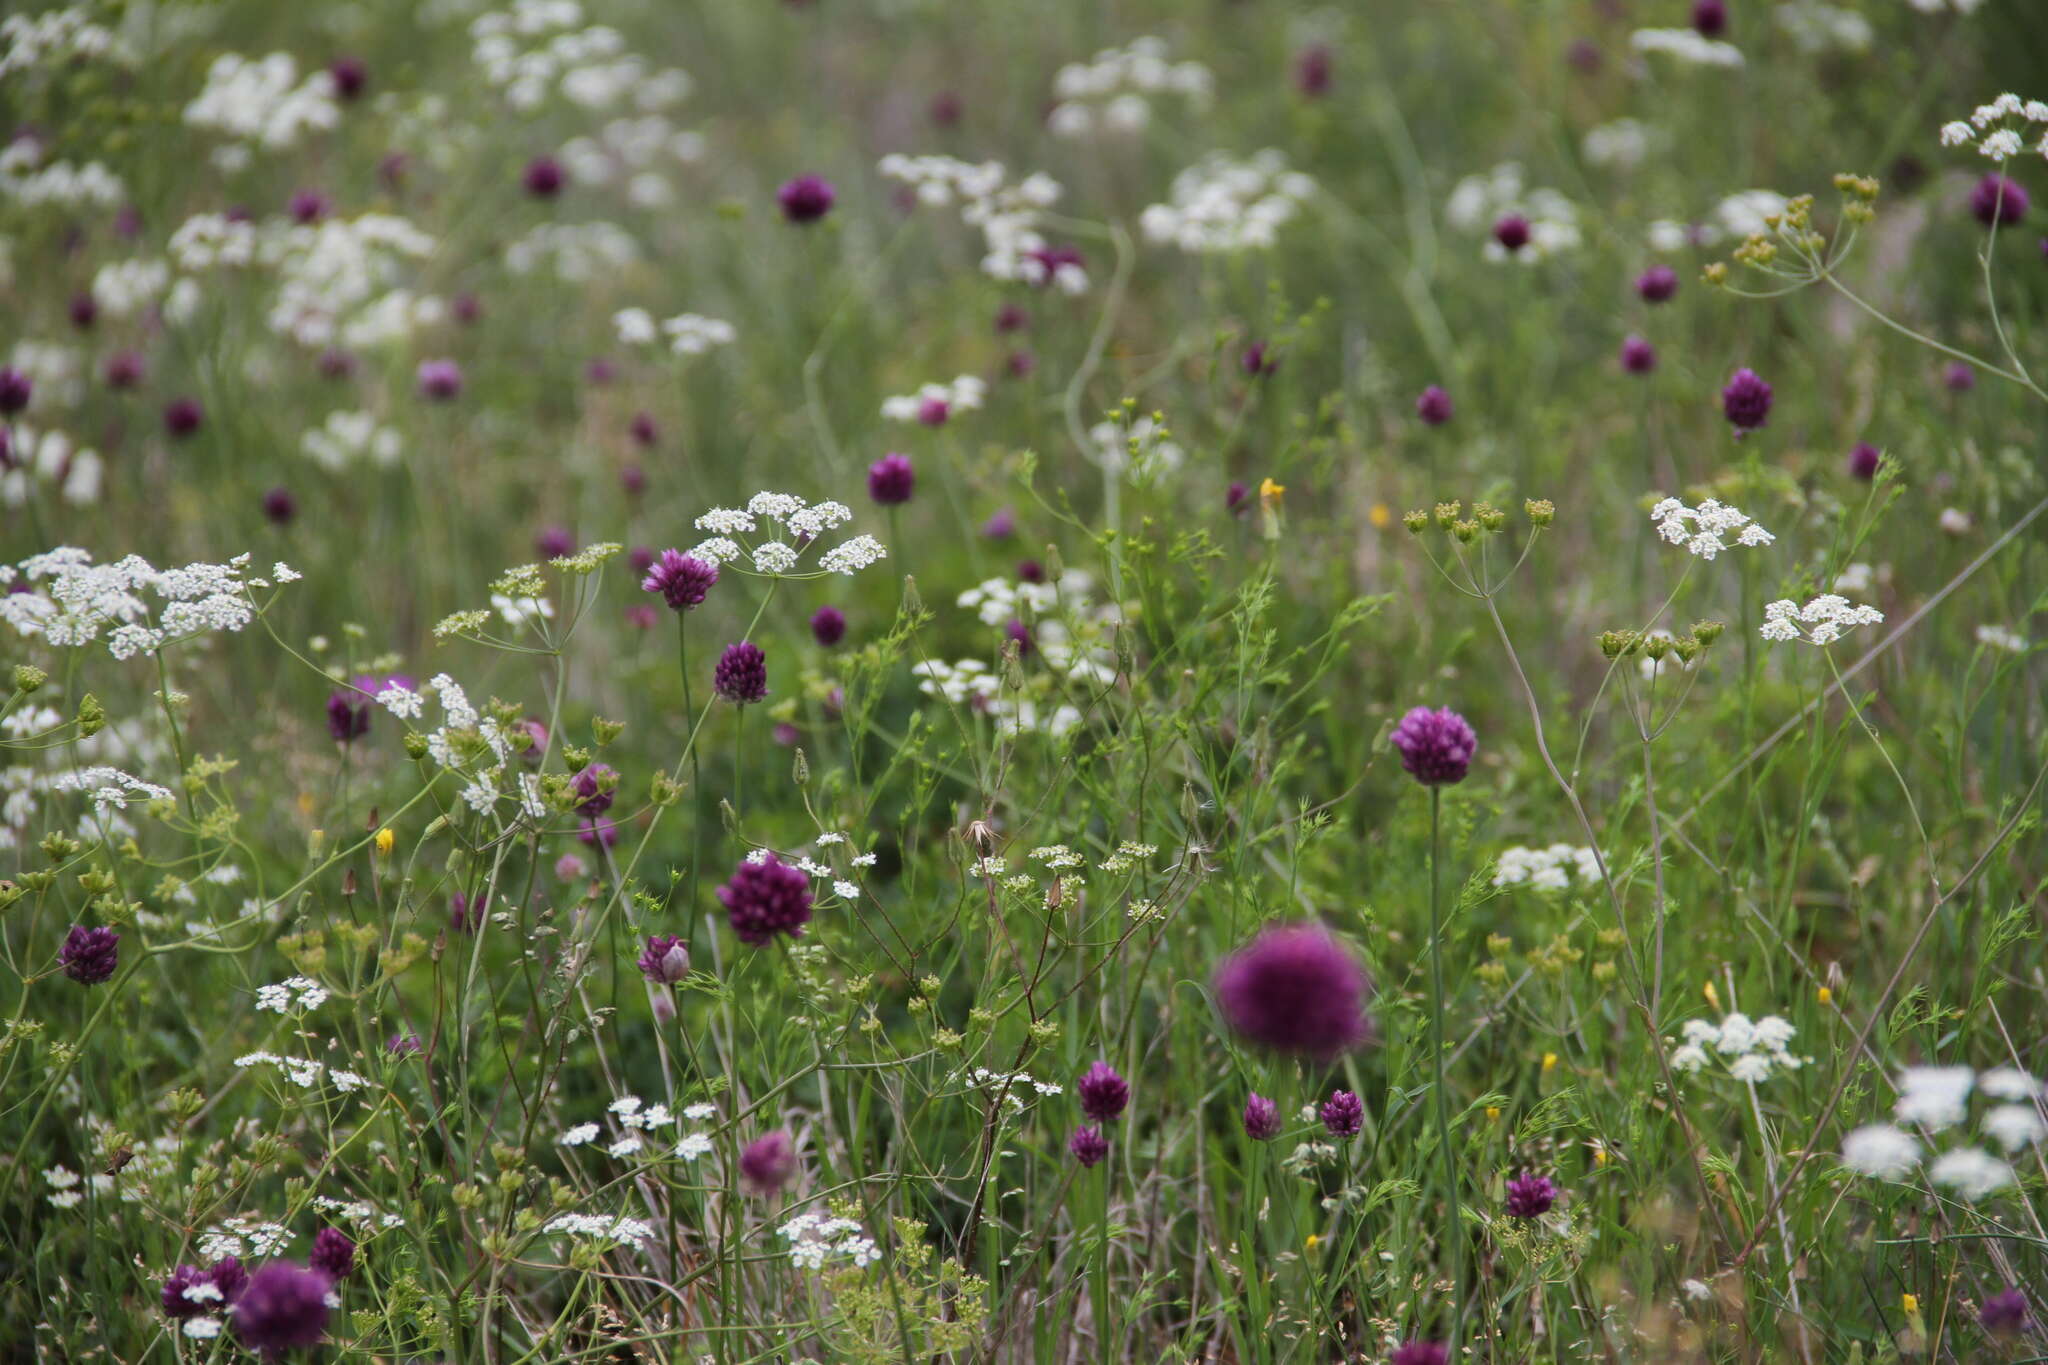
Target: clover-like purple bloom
(1657,284)
(806,199)
(1637,355)
(742,673)
(229,1278)
(16,389)
(1420,1353)
(1434,406)
(1436,746)
(282,1306)
(1294,988)
(182,417)
(89,956)
(1710,17)
(176,1305)
(334,1253)
(665,961)
(891,480)
(1088,1145)
(1746,401)
(1261,1118)
(767,1163)
(543,178)
(1863,461)
(2004,1313)
(1512,232)
(1530,1195)
(766,898)
(594,788)
(351,76)
(440,380)
(1343,1114)
(1103,1093)
(348,715)
(828,626)
(682,580)
(1999,202)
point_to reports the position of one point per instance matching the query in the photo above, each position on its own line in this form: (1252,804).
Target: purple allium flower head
(665,961)
(405,1045)
(552,542)
(765,899)
(335,363)
(16,389)
(1746,400)
(351,76)
(1863,461)
(1261,1118)
(333,1254)
(1657,284)
(1021,633)
(1103,1093)
(89,956)
(1637,355)
(785,734)
(891,480)
(1436,746)
(229,1278)
(84,310)
(640,616)
(682,580)
(1343,1114)
(1258,360)
(1049,259)
(1011,317)
(182,417)
(595,832)
(440,380)
(465,916)
(348,715)
(1530,1196)
(542,177)
(1511,231)
(1710,17)
(1000,526)
(1088,1145)
(633,479)
(806,199)
(282,1306)
(124,369)
(742,673)
(1312,70)
(1420,1353)
(945,108)
(308,206)
(280,506)
(1998,202)
(1030,571)
(828,626)
(1237,499)
(1019,364)
(595,788)
(176,1305)
(1959,377)
(1433,406)
(933,412)
(2002,1314)
(767,1163)
(1294,988)
(643,430)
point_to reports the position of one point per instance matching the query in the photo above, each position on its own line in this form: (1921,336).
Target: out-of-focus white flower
(1882,1151)
(1933,1097)
(1971,1172)
(263,101)
(1478,202)
(1821,621)
(1687,45)
(1221,204)
(1814,27)
(1113,89)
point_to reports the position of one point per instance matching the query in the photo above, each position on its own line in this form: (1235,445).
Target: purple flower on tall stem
(1746,400)
(1710,17)
(543,177)
(891,480)
(633,479)
(308,206)
(1261,1118)
(1637,355)
(665,961)
(16,389)
(176,1302)
(1011,317)
(742,673)
(348,715)
(466,308)
(552,542)
(1530,1195)
(806,199)
(1863,461)
(465,916)
(229,1278)
(1258,360)
(595,787)
(405,1045)
(89,956)
(350,76)
(1657,284)
(1998,202)
(440,380)
(828,626)
(682,580)
(282,1306)
(1312,70)
(279,506)
(1237,499)
(1512,232)
(1433,406)
(1436,746)
(1420,1353)
(644,432)
(595,832)
(1294,988)
(1103,1093)
(1088,1145)
(2002,1314)
(1343,1114)
(1959,377)
(334,1253)
(766,898)
(767,1163)
(124,369)
(85,310)
(182,417)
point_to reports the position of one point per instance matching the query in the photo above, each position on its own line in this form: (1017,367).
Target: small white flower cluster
(1012,1084)
(631,149)
(337,278)
(110,788)
(1701,530)
(998,601)
(1140,448)
(1114,89)
(777,558)
(1006,214)
(932,404)
(1479,201)
(357,1212)
(576,252)
(300,993)
(1815,28)
(1822,621)
(2002,637)
(1220,204)
(1745,213)
(968,680)
(262,101)
(206,240)
(24,179)
(535,48)
(688,333)
(816,1237)
(77,600)
(54,40)
(1545,869)
(1755,1050)
(303,1072)
(620,1230)
(243,1236)
(346,437)
(124,288)
(66,1186)
(466,738)
(639,1117)
(50,457)
(1937,6)
(1621,143)
(1936,1098)
(57,369)
(1687,45)
(1999,130)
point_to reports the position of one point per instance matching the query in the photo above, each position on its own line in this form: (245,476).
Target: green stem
(1455,1233)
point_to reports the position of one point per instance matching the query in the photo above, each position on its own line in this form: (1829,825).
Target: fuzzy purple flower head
(348,715)
(405,1045)
(828,626)
(177,1305)
(334,1253)
(1863,461)
(1103,1093)
(440,380)
(806,199)
(1436,746)
(665,961)
(350,75)
(282,1306)
(1434,406)
(89,956)
(1710,17)
(1312,70)
(1959,377)
(682,580)
(742,673)
(1746,401)
(1343,1114)
(229,1278)
(595,788)
(182,417)
(1261,1118)
(891,480)
(2002,1314)
(1998,202)
(1657,284)
(1530,1195)
(766,898)
(1294,988)
(767,1163)
(1420,1353)
(1638,356)
(1512,232)
(16,389)
(1088,1146)
(543,177)
(279,506)
(1258,360)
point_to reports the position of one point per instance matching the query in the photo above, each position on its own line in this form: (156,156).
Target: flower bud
(1540,511)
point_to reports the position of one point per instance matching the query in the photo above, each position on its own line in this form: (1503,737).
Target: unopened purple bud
(1261,1118)
(1343,1114)
(1433,406)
